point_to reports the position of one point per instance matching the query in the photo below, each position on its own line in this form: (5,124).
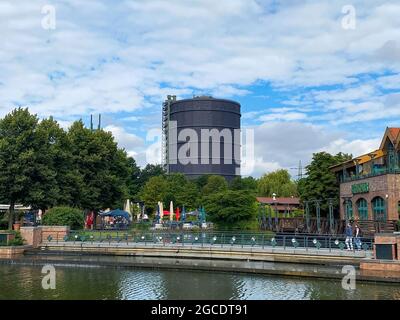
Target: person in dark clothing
(349,236)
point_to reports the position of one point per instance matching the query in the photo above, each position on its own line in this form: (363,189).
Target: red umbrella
(177,214)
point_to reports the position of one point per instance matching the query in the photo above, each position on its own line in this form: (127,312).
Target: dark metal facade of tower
(189,124)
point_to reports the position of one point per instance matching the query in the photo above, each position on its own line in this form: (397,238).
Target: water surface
(77,282)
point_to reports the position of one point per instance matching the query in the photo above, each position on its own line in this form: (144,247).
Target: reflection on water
(24,282)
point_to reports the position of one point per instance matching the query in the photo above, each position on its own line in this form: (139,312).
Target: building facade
(201,136)
(370,183)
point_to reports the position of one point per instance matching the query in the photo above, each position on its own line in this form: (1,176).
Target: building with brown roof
(284,205)
(370,183)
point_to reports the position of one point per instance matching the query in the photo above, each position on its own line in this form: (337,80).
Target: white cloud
(126,56)
(133,144)
(283,145)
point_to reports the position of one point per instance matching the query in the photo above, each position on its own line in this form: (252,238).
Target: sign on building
(360,188)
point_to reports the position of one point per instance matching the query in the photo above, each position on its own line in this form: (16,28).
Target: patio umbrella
(177,214)
(161,210)
(171,211)
(183,214)
(127,207)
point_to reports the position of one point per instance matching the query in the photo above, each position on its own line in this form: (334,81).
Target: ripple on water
(24,282)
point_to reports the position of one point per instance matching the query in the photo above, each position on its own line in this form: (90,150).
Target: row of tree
(232,203)
(43,165)
(228,205)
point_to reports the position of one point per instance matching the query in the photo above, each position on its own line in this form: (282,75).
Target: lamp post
(318,213)
(331,220)
(307,215)
(276,211)
(386,208)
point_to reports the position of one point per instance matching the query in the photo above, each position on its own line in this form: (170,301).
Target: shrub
(64,216)
(17,241)
(231,208)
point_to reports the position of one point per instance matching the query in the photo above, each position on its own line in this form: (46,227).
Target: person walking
(357,237)
(349,237)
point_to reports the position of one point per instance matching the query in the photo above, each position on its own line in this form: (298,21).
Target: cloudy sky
(308,76)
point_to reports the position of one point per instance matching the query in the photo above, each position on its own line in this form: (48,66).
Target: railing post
(263,241)
(284,242)
(330,244)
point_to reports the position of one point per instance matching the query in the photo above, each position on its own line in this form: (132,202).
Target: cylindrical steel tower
(201,136)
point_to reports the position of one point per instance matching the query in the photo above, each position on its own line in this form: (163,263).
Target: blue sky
(305,82)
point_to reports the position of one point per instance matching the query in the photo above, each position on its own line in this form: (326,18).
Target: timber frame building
(370,183)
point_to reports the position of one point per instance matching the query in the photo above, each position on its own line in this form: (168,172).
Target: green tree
(320,182)
(151,170)
(248,183)
(154,190)
(17,158)
(201,181)
(64,216)
(181,191)
(278,182)
(51,166)
(214,184)
(173,187)
(134,183)
(230,208)
(101,168)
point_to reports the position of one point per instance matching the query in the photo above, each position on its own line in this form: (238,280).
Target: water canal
(73,282)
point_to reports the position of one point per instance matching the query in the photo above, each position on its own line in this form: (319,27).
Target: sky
(310,75)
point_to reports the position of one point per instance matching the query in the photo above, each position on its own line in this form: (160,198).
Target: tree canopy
(320,182)
(278,182)
(43,166)
(230,208)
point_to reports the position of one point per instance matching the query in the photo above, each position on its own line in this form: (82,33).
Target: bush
(17,241)
(231,209)
(64,216)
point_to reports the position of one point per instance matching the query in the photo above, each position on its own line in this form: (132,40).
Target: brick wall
(34,236)
(379,186)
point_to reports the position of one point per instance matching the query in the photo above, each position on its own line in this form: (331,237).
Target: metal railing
(209,239)
(375,173)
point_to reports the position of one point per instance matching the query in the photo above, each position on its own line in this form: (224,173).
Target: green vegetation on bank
(73,170)
(64,216)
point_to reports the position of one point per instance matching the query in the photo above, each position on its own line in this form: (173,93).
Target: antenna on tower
(299,171)
(300,174)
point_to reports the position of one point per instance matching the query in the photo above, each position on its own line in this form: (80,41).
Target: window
(379,209)
(348,207)
(362,207)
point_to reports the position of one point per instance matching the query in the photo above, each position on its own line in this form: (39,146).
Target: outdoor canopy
(116,213)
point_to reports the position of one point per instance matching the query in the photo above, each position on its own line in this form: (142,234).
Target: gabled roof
(392,134)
